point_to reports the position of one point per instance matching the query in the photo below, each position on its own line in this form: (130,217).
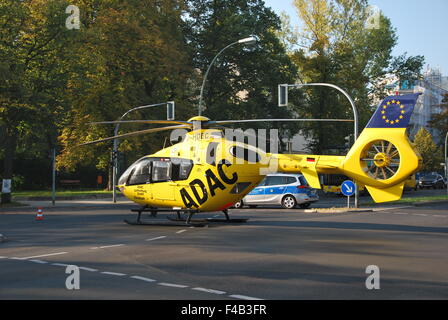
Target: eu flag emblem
(394,112)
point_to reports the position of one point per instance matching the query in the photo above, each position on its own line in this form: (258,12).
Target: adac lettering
(199,190)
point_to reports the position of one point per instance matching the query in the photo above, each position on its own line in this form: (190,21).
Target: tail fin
(383,157)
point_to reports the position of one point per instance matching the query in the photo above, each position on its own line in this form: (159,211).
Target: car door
(274,189)
(257,194)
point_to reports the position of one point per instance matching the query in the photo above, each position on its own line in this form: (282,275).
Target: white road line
(237,296)
(113,273)
(436,215)
(420,214)
(111,246)
(156,238)
(44,255)
(17,258)
(2,257)
(60,264)
(172,285)
(180,231)
(88,269)
(400,213)
(209,290)
(39,261)
(143,278)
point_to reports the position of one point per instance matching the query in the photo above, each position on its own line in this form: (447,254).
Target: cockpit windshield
(152,170)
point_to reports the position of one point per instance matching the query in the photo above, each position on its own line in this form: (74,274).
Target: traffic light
(170,110)
(348,141)
(282,95)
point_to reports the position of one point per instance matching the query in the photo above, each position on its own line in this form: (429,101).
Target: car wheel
(239,204)
(288,202)
(305,205)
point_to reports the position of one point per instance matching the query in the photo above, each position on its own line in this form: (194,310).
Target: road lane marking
(420,214)
(172,285)
(209,290)
(110,246)
(143,278)
(180,231)
(156,238)
(60,264)
(400,213)
(436,215)
(113,273)
(43,255)
(238,296)
(39,261)
(88,269)
(3,257)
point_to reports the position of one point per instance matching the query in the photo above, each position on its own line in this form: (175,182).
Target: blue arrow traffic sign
(348,188)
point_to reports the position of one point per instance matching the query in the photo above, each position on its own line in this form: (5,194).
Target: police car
(285,189)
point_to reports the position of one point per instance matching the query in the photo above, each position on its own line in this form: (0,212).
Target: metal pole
(355,117)
(115,148)
(201,102)
(446,163)
(53,189)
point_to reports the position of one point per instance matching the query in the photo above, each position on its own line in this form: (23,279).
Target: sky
(421,27)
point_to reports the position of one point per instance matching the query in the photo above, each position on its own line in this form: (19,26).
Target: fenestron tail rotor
(380,160)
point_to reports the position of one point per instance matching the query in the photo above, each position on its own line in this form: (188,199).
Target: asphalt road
(277,254)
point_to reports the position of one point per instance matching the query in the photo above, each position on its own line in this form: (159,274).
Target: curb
(337,210)
(424,203)
(62,198)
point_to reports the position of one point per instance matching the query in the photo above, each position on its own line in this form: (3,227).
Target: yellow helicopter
(208,171)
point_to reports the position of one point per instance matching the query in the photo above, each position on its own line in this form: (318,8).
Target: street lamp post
(446,162)
(283,100)
(115,147)
(250,41)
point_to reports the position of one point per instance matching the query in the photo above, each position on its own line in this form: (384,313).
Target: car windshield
(430,177)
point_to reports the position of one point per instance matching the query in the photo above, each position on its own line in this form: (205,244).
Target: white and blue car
(285,189)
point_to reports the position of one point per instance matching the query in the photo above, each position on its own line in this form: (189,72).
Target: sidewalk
(122,202)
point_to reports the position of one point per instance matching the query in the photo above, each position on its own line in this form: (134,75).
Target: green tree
(128,55)
(32,40)
(242,83)
(431,154)
(336,47)
(439,121)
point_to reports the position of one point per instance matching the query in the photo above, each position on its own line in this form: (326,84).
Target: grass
(414,199)
(12,204)
(421,199)
(61,193)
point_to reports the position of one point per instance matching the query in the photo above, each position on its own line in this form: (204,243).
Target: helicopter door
(162,187)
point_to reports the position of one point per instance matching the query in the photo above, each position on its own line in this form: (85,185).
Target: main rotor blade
(277,120)
(144,121)
(135,133)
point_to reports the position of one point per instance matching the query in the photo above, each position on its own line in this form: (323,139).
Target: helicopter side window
(161,171)
(141,173)
(180,169)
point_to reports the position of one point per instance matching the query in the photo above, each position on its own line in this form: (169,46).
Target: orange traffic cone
(39,215)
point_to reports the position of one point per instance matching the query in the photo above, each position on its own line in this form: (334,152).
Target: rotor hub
(381,160)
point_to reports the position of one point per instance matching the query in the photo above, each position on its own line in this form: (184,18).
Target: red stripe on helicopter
(310,159)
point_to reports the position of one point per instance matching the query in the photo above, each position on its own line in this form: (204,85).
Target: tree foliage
(431,154)
(335,46)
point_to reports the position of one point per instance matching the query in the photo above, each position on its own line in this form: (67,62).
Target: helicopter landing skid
(157,222)
(226,220)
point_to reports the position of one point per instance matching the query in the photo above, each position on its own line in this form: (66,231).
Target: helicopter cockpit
(156,169)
